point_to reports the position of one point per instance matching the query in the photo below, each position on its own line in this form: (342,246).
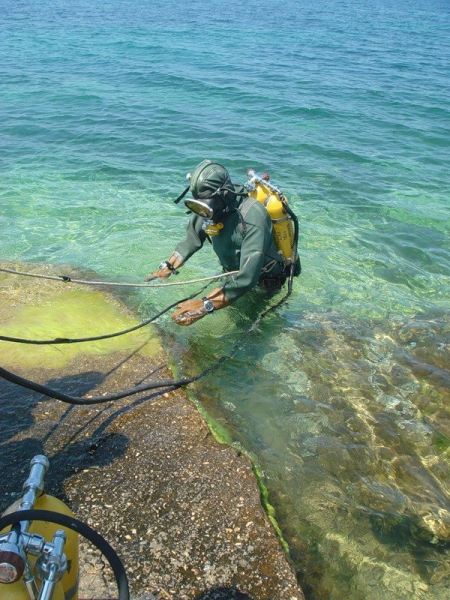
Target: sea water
(341,394)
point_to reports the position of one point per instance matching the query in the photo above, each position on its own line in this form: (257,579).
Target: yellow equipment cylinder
(283,226)
(67,588)
(18,591)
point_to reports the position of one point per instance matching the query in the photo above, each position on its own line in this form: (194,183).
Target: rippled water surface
(342,394)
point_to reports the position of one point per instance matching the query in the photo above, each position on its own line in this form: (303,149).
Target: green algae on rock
(72,314)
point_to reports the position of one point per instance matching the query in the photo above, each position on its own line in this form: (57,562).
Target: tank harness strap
(243,211)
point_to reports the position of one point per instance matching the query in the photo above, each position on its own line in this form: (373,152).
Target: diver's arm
(252,260)
(218,298)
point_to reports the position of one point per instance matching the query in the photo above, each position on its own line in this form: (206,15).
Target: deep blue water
(342,395)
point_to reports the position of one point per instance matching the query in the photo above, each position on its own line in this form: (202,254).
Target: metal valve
(14,547)
(254,178)
(51,566)
(13,561)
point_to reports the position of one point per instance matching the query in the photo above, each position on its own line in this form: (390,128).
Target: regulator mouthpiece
(211,228)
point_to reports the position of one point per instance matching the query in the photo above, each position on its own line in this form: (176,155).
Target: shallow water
(342,394)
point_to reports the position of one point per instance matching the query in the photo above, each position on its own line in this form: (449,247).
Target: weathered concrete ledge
(182,510)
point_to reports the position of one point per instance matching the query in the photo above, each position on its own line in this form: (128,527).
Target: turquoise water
(342,395)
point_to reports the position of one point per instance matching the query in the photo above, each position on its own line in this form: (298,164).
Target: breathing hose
(81,528)
(42,389)
(295,246)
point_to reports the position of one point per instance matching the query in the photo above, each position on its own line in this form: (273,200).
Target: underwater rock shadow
(404,533)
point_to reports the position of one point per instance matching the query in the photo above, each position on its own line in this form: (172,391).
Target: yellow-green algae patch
(72,314)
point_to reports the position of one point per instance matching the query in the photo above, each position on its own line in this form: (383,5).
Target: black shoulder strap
(243,210)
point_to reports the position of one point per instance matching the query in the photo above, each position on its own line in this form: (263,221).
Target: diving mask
(213,208)
(199,207)
(203,209)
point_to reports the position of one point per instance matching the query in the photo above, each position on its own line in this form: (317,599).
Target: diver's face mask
(213,208)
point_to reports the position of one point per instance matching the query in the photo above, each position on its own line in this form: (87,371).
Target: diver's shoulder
(252,210)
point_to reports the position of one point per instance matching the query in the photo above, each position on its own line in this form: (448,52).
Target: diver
(241,233)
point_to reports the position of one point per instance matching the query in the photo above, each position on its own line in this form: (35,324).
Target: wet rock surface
(182,510)
(355,447)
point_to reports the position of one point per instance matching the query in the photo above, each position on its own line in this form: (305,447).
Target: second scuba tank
(279,212)
(12,586)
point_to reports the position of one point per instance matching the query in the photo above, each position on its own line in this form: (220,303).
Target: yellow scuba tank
(34,497)
(275,203)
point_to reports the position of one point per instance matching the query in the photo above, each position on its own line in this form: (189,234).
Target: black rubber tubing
(295,248)
(42,389)
(81,528)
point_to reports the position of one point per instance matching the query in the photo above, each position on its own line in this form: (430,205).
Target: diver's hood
(213,194)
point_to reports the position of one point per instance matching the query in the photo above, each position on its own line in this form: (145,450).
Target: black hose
(81,528)
(42,389)
(295,255)
(295,247)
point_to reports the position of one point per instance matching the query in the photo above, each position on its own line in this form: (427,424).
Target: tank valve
(52,566)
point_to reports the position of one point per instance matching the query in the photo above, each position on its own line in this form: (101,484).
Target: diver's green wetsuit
(245,244)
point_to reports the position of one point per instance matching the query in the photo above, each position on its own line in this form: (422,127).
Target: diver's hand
(189,312)
(159,274)
(167,268)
